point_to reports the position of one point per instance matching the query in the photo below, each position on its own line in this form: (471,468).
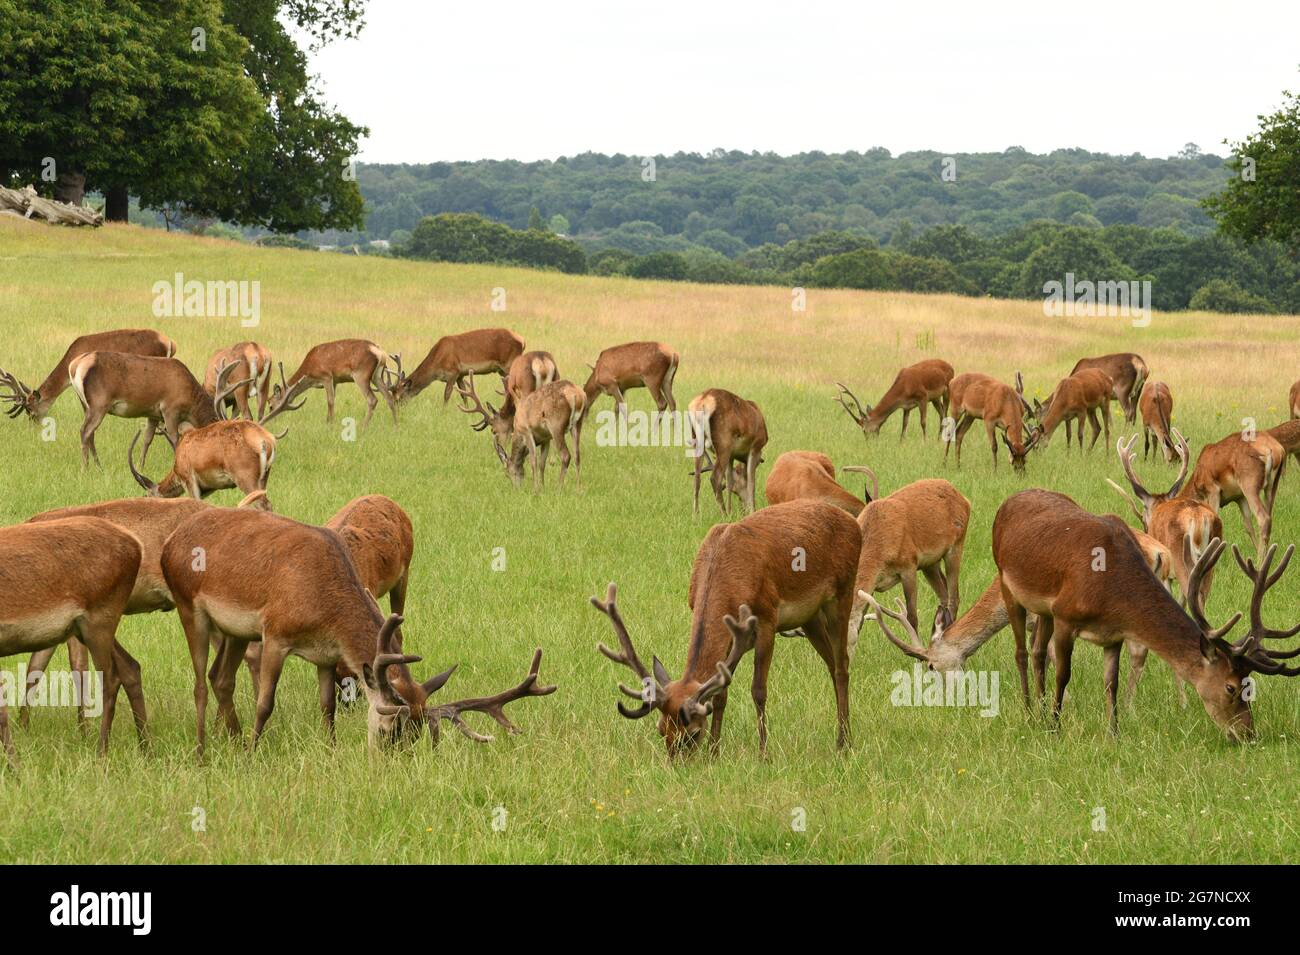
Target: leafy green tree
(1080,252)
(659,265)
(559,225)
(1222,295)
(863,269)
(535,219)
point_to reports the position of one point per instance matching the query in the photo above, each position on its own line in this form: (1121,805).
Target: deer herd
(252,587)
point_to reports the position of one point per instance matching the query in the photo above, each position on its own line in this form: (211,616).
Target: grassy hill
(919,784)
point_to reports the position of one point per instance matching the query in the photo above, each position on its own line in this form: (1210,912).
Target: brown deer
(132,341)
(1183,525)
(527,373)
(1157,407)
(1287,434)
(1045,547)
(735,430)
(1243,468)
(251,365)
(295,588)
(810,475)
(1077,398)
(454,357)
(160,390)
(916,386)
(1127,371)
(42,604)
(1293,400)
(747,585)
(542,418)
(920,527)
(220,455)
(332,363)
(651,365)
(1000,407)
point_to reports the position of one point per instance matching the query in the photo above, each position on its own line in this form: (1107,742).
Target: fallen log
(28,204)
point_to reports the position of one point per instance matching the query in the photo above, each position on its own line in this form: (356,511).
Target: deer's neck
(1164,629)
(982,620)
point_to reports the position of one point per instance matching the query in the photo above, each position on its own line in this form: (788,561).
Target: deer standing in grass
(1244,472)
(295,588)
(1077,398)
(221,455)
(1127,371)
(42,603)
(1000,407)
(810,475)
(1287,434)
(36,403)
(547,416)
(916,386)
(920,527)
(455,357)
(332,363)
(251,367)
(527,373)
(160,390)
(1157,407)
(787,567)
(650,365)
(735,430)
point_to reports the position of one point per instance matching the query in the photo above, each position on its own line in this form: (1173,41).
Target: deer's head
(23,399)
(860,413)
(499,424)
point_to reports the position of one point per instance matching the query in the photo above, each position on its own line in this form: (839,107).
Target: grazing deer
(735,430)
(810,475)
(1287,434)
(330,364)
(541,419)
(1045,547)
(454,357)
(42,603)
(132,341)
(251,364)
(744,590)
(1157,407)
(652,365)
(1127,371)
(1183,525)
(916,386)
(1076,398)
(1000,407)
(917,528)
(295,588)
(160,390)
(220,455)
(1244,472)
(527,373)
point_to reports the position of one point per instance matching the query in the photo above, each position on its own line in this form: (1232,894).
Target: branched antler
(856,412)
(916,649)
(627,657)
(1251,646)
(287,394)
(493,706)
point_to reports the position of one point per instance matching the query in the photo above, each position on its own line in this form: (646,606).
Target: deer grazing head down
(683,704)
(21,398)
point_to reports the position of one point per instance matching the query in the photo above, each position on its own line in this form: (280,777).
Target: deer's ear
(368,674)
(661,672)
(1208,652)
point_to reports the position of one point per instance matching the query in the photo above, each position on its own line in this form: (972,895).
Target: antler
(743,634)
(856,412)
(1127,456)
(18,393)
(915,649)
(493,706)
(628,658)
(1251,646)
(863,469)
(384,658)
(1020,392)
(391,380)
(287,395)
(222,390)
(470,394)
(1195,596)
(140,479)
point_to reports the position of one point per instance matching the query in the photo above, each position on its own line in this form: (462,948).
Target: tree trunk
(71,188)
(117,204)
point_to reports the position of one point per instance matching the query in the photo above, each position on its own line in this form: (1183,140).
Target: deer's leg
(1263,524)
(751,466)
(959,431)
(577,451)
(991,429)
(198,634)
(938,583)
(329,399)
(273,657)
(1105,420)
(908,579)
(828,635)
(952,565)
(923,410)
(699,468)
(362,381)
(620,402)
(150,429)
(128,671)
(328,697)
(1110,679)
(451,386)
(97,633)
(715,722)
(1016,617)
(36,667)
(1137,661)
(721,472)
(241,403)
(557,438)
(1042,639)
(78,664)
(1096,428)
(655,385)
(763,646)
(1069,433)
(1063,641)
(397,596)
(92,421)
(223,675)
(902,434)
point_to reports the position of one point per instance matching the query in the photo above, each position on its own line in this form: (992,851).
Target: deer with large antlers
(1243,468)
(132,341)
(1157,407)
(295,588)
(914,387)
(547,416)
(921,527)
(251,364)
(160,390)
(650,365)
(1000,407)
(224,454)
(453,358)
(42,604)
(333,363)
(810,475)
(789,567)
(1077,399)
(1127,372)
(736,431)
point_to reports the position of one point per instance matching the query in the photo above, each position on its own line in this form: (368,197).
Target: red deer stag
(1076,398)
(132,341)
(744,590)
(332,363)
(1127,371)
(454,357)
(916,386)
(1243,468)
(295,588)
(252,368)
(735,430)
(224,454)
(42,604)
(810,475)
(651,365)
(542,418)
(1157,407)
(1000,407)
(527,373)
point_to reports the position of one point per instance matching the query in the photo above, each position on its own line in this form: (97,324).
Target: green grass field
(581,783)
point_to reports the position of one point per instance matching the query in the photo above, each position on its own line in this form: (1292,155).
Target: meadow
(582,784)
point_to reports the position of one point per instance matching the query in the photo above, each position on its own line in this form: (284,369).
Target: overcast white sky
(535,80)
